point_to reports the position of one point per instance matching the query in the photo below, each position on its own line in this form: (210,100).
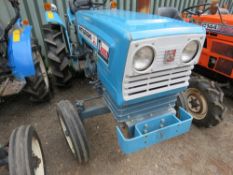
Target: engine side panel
(110,71)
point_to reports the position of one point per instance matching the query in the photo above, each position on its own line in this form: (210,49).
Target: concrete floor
(199,152)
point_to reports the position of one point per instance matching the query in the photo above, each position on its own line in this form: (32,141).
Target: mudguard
(54,18)
(20,53)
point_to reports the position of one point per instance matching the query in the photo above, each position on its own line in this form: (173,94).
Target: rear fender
(54,18)
(20,53)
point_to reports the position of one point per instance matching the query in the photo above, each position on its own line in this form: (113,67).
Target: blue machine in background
(137,62)
(20,52)
(21,64)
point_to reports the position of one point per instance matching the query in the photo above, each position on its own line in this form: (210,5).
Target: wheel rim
(43,70)
(196,104)
(67,135)
(38,161)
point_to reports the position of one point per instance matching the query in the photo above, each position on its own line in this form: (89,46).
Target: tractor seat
(224,11)
(169,12)
(76,5)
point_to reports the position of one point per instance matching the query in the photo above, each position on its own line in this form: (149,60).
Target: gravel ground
(201,151)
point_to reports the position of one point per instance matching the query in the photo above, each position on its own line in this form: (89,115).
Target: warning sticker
(50,15)
(104,50)
(16,35)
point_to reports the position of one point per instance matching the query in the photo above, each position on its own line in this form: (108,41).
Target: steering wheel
(193,9)
(76,5)
(98,4)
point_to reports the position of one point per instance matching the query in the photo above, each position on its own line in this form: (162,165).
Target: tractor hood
(137,25)
(111,33)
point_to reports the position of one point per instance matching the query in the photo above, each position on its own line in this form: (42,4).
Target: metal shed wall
(34,12)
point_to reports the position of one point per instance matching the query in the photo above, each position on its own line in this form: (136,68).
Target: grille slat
(157,82)
(158,73)
(156,85)
(152,80)
(145,93)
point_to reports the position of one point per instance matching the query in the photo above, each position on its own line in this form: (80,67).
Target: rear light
(25,22)
(50,7)
(47,6)
(113,4)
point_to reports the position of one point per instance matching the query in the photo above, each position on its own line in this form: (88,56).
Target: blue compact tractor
(138,63)
(21,64)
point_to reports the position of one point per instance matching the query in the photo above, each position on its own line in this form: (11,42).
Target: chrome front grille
(156,82)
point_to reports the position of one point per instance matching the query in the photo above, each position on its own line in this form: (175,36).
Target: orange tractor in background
(217,54)
(213,74)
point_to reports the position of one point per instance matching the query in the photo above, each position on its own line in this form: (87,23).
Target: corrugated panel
(34,12)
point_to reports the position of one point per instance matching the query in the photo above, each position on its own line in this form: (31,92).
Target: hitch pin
(145,128)
(162,121)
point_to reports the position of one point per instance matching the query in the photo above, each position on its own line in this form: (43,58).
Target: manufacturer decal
(104,50)
(169,56)
(88,35)
(210,26)
(219,28)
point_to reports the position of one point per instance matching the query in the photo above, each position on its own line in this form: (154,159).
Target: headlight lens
(190,51)
(53,7)
(143,58)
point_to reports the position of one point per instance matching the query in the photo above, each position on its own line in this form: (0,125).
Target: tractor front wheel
(25,152)
(73,130)
(204,101)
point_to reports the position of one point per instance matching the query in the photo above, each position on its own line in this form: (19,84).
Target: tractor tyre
(25,152)
(38,86)
(73,130)
(204,101)
(228,91)
(57,55)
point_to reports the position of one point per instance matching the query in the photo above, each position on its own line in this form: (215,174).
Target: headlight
(190,51)
(50,7)
(143,58)
(53,8)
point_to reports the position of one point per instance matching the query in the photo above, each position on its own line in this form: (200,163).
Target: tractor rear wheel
(57,55)
(25,152)
(38,86)
(204,100)
(73,130)
(228,91)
